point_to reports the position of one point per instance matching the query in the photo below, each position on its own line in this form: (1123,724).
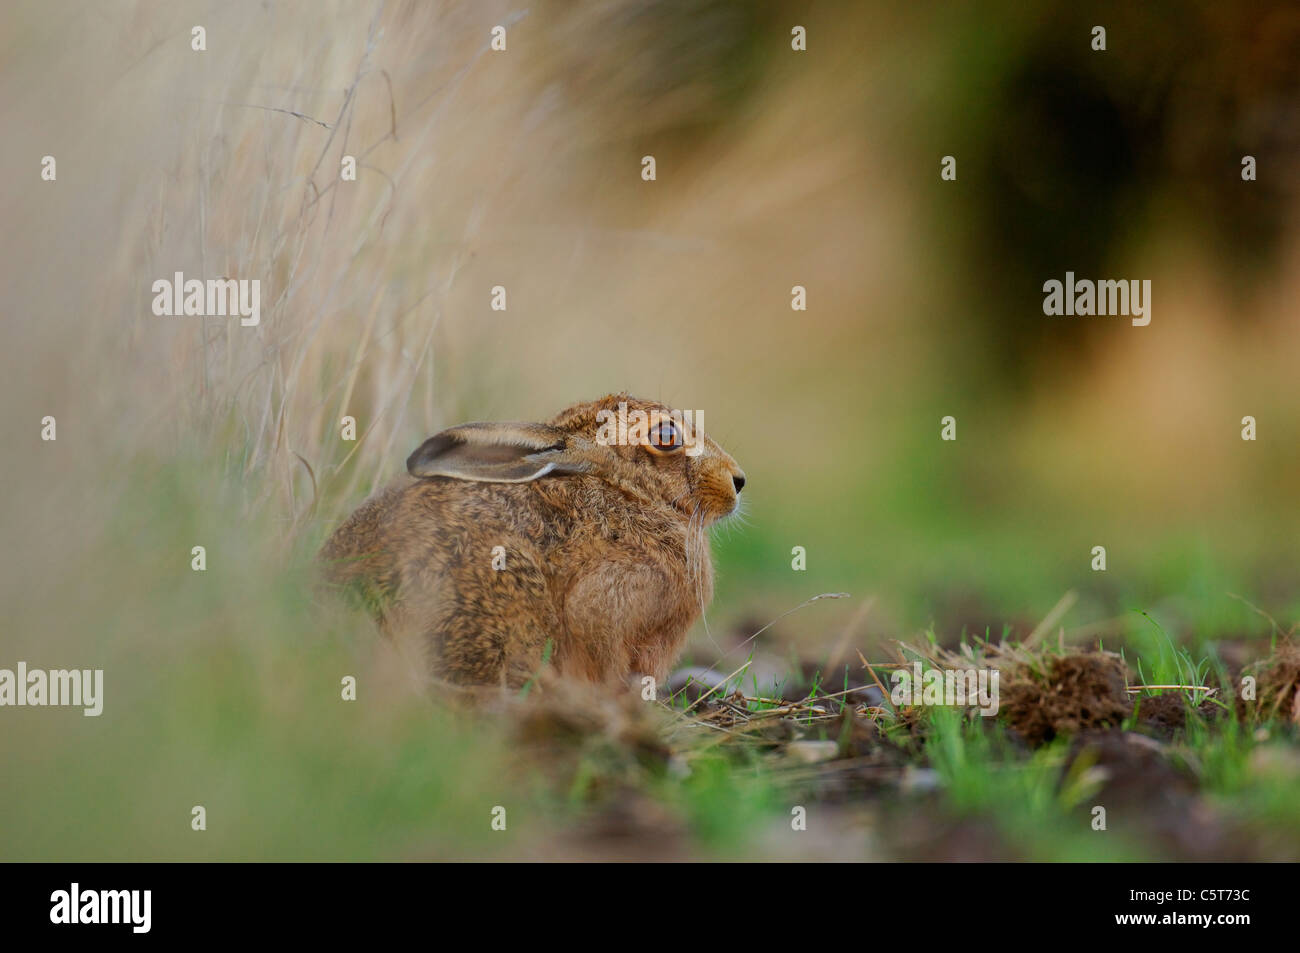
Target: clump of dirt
(1146,793)
(1276,684)
(1134,770)
(1164,716)
(1065,695)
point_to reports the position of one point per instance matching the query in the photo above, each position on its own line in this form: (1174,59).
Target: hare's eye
(665,436)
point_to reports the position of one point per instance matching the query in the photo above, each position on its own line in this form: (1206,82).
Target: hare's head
(641,446)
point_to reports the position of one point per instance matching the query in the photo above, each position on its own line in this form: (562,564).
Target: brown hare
(507,537)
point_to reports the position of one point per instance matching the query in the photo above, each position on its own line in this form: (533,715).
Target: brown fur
(606,551)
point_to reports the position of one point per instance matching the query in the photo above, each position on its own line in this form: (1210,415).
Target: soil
(1082,691)
(1278,684)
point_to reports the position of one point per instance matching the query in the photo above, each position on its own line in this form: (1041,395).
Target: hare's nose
(738,480)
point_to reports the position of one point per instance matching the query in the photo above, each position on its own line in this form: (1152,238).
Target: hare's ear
(494,453)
